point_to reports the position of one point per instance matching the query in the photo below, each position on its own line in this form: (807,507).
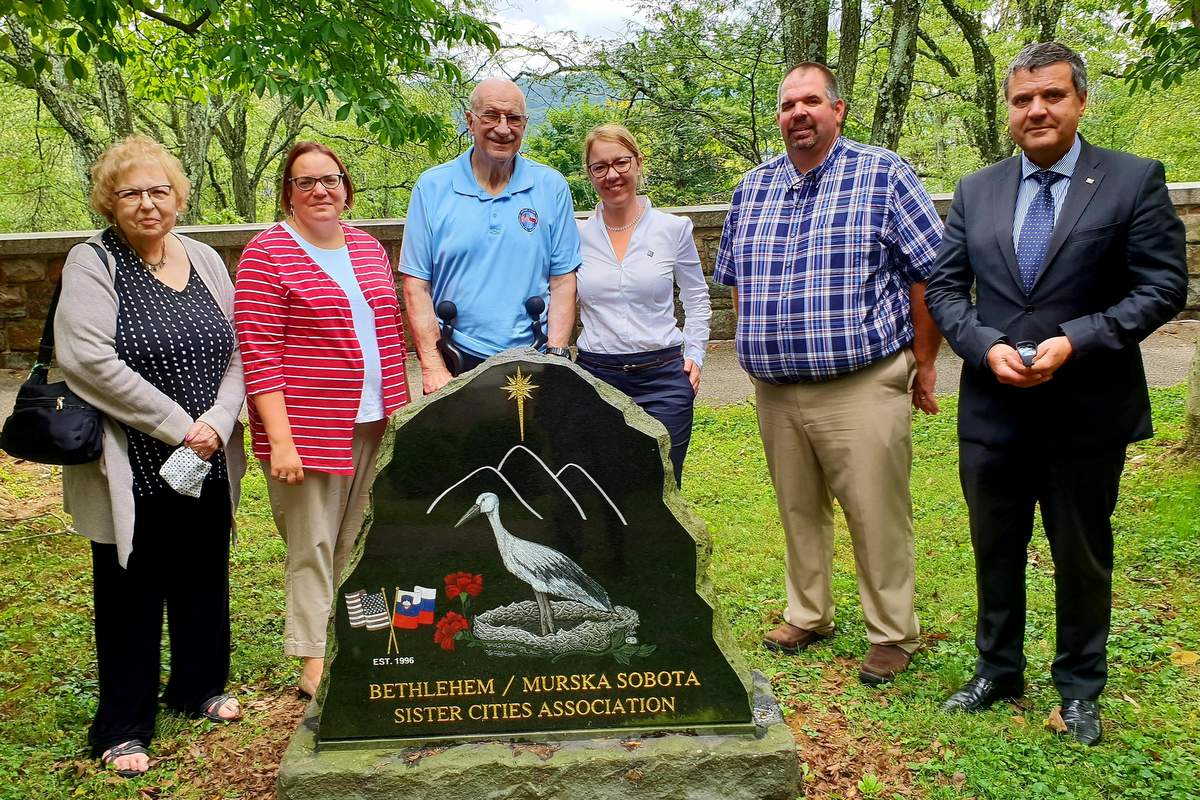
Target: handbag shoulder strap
(46,348)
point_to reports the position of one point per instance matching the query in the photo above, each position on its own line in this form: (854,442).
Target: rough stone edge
(637,419)
(402,772)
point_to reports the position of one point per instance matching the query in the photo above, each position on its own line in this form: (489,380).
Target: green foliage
(1170,41)
(350,58)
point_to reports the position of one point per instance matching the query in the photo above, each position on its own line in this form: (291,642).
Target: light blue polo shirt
(490,254)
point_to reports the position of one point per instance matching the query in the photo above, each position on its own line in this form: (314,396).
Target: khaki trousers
(849,438)
(319,520)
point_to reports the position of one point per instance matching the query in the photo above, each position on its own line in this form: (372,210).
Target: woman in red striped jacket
(322,346)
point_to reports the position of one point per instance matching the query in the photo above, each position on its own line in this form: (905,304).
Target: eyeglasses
(157,194)
(599,169)
(306,183)
(494,117)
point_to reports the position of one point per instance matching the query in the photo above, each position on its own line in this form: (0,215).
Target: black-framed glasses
(306,183)
(157,194)
(599,169)
(494,117)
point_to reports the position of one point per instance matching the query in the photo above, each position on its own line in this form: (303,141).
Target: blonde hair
(131,151)
(618,134)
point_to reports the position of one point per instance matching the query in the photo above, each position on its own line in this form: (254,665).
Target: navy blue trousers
(657,383)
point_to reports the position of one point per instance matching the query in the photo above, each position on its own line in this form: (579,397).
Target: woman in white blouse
(633,258)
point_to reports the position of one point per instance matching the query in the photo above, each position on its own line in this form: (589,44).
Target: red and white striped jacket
(296,334)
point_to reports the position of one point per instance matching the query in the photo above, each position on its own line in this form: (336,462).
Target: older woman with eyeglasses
(319,325)
(633,258)
(144,332)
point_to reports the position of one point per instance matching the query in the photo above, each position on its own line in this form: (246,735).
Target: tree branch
(190,28)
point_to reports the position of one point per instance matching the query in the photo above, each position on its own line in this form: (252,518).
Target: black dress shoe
(1082,718)
(980,693)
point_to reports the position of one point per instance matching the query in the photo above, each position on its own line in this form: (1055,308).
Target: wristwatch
(565,352)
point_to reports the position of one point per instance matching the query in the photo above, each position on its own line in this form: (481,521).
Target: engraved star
(520,388)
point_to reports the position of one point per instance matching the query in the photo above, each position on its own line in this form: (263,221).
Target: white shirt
(628,306)
(336,264)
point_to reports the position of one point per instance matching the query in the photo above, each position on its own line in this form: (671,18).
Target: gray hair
(1042,54)
(831,81)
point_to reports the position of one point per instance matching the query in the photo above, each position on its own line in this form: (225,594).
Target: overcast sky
(593,18)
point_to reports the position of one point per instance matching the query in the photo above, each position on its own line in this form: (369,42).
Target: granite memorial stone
(520,573)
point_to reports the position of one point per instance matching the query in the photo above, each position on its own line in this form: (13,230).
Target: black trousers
(659,386)
(1077,493)
(181,558)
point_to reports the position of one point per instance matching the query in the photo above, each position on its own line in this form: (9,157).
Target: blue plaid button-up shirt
(823,262)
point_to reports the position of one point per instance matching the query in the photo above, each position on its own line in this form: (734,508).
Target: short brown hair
(120,156)
(299,149)
(831,82)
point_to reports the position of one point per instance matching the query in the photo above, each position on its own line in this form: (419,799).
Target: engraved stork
(547,571)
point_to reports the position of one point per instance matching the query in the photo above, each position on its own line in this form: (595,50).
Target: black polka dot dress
(178,341)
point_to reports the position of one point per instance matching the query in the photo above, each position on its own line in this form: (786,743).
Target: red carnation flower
(448,627)
(463,583)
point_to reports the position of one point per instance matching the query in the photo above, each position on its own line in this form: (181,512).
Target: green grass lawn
(854,741)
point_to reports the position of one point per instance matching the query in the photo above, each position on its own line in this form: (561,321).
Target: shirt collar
(795,177)
(465,183)
(1064,166)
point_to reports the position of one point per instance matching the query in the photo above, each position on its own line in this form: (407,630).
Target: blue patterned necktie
(1036,229)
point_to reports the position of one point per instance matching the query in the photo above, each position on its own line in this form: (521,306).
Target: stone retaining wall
(30,264)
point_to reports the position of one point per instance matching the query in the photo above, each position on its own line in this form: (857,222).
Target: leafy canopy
(348,55)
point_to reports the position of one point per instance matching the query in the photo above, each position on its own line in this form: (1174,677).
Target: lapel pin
(650,254)
(1090,180)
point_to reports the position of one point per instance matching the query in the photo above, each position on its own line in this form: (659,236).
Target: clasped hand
(1007,366)
(202,440)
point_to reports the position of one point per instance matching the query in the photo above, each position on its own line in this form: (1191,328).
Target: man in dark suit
(1076,255)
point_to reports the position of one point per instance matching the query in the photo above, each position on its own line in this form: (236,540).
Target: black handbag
(50,424)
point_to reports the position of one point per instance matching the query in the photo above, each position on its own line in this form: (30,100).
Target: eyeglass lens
(157,194)
(305,183)
(621,165)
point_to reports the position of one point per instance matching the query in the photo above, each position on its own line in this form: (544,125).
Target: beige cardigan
(100,495)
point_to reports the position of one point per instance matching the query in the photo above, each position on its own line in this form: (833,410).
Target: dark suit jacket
(1115,271)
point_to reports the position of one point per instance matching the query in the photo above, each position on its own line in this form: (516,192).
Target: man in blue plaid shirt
(826,250)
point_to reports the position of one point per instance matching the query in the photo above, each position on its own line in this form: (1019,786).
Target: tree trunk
(1192,437)
(114,99)
(805,30)
(897,80)
(849,41)
(67,109)
(1040,18)
(984,130)
(231,135)
(194,134)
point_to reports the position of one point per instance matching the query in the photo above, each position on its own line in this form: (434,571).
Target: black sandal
(133,747)
(211,708)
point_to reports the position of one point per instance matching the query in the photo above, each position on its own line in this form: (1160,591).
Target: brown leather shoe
(883,662)
(789,639)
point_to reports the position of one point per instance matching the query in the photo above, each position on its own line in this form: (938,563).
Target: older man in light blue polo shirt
(489,230)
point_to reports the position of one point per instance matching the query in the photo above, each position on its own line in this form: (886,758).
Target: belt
(629,367)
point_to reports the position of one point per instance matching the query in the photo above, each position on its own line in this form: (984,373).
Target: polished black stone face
(564,601)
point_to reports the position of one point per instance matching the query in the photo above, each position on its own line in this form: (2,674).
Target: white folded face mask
(184,471)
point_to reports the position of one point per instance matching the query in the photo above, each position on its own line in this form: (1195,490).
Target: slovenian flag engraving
(414,608)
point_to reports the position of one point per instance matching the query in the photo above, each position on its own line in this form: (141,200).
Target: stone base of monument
(674,766)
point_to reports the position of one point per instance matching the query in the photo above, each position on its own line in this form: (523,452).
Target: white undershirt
(337,265)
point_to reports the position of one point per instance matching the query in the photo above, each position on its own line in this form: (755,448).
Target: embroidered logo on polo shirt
(528,219)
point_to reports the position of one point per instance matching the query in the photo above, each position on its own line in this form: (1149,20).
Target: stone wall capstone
(30,264)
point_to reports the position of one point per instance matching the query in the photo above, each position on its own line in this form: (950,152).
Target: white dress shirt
(629,306)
